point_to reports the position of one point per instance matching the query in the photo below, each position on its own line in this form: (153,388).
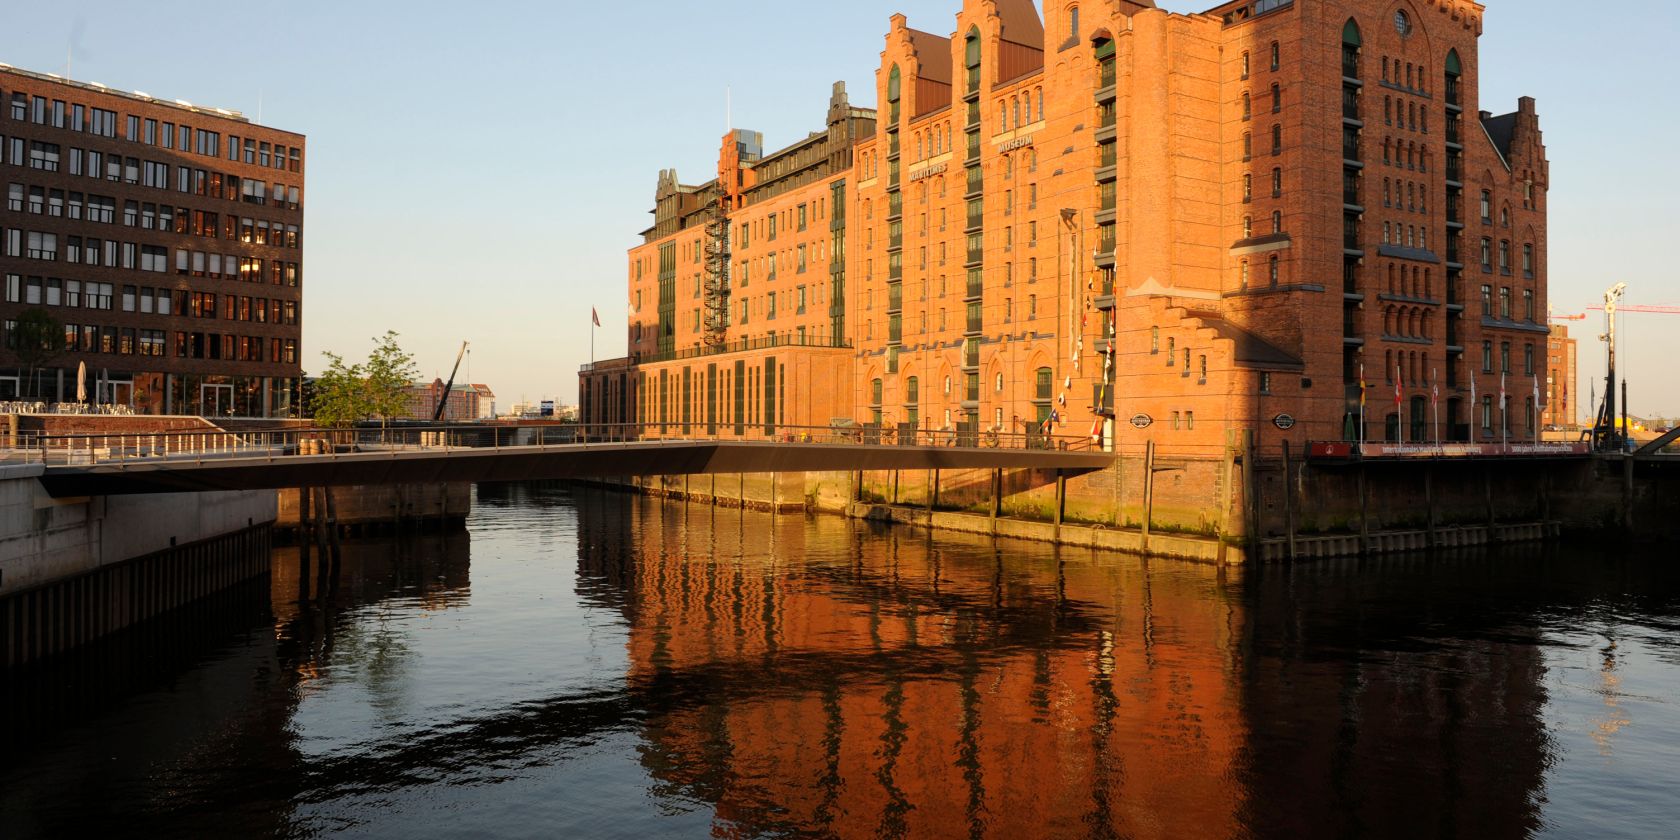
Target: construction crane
(443,399)
(1655,310)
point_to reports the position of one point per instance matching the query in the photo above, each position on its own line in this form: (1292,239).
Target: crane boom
(449,386)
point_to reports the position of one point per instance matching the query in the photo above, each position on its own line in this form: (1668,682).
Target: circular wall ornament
(1402,23)
(1142,421)
(1284,422)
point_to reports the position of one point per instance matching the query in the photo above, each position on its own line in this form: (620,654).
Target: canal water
(590,664)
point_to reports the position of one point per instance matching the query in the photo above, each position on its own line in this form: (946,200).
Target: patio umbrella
(81,382)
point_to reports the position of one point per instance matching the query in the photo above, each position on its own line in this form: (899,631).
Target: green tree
(389,372)
(347,394)
(338,400)
(36,339)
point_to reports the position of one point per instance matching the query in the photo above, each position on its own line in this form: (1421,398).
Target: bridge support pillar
(933,491)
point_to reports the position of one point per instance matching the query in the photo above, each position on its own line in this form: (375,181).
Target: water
(596,665)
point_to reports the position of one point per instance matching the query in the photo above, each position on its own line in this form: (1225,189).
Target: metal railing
(198,446)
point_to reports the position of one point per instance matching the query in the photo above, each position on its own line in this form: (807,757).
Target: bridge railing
(200,445)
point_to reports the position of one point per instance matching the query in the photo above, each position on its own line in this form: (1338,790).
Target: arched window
(1277,221)
(1073,22)
(971,58)
(892,95)
(1248,187)
(1155,339)
(1454,71)
(912,392)
(1277,98)
(1247,108)
(1040,98)
(1247,146)
(1248,227)
(1277,183)
(875,392)
(1245,64)
(1351,43)
(1242,276)
(1277,55)
(1388,111)
(1272,270)
(1277,139)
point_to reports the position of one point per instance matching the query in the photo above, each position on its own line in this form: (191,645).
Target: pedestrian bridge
(107,465)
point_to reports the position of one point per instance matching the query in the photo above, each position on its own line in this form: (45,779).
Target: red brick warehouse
(1207,222)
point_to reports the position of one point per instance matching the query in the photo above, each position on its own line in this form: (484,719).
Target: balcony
(971,354)
(1455,92)
(1102,399)
(895,297)
(1350,62)
(1350,146)
(1350,103)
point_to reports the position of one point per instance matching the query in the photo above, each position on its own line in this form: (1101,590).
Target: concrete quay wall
(76,570)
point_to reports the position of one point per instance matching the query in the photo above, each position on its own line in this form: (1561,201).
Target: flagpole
(1435,402)
(1361,436)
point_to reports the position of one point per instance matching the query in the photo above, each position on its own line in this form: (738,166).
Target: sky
(476,171)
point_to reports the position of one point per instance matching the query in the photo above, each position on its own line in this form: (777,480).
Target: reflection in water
(619,666)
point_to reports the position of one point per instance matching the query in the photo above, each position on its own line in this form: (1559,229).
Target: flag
(594,316)
(1398,375)
(1362,386)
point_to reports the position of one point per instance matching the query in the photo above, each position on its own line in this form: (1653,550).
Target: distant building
(465,402)
(1561,380)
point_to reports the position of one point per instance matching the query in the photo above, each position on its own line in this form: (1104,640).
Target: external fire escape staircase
(717,275)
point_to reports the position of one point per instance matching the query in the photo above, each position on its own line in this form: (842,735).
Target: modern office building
(162,243)
(1285,217)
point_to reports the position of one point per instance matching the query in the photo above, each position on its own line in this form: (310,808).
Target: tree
(36,339)
(389,372)
(337,401)
(346,394)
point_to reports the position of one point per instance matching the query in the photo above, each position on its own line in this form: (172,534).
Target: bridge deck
(243,471)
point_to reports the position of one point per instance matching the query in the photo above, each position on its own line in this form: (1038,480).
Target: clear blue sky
(477,170)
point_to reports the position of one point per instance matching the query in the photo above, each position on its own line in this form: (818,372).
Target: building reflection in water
(882,683)
(819,676)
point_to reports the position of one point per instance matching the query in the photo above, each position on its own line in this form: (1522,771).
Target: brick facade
(165,238)
(1158,226)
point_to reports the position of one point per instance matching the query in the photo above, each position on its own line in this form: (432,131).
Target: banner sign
(1447,450)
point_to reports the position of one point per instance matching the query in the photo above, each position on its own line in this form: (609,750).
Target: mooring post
(895,487)
(1289,498)
(1364,512)
(1487,492)
(997,497)
(1251,497)
(1627,491)
(1148,493)
(1061,501)
(932,491)
(1429,500)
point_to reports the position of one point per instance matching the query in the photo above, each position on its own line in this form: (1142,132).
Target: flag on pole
(594,316)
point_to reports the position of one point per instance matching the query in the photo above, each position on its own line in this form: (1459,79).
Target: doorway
(215,400)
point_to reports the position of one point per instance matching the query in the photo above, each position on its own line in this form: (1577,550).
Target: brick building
(1562,379)
(465,402)
(1144,225)
(166,240)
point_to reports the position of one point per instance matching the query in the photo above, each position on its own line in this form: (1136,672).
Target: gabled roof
(1500,130)
(933,54)
(1021,24)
